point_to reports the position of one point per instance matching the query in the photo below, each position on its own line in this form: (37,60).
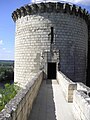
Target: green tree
(7,94)
(6,73)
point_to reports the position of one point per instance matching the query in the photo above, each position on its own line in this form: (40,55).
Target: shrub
(7,93)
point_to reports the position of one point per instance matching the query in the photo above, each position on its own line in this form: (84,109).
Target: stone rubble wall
(20,106)
(67,86)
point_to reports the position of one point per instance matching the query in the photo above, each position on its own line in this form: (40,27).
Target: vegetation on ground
(7,90)
(7,93)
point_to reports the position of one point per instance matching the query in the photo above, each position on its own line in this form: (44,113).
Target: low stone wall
(81,86)
(20,106)
(67,86)
(81,102)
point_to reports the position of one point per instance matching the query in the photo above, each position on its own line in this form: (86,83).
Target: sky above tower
(7,26)
(82,2)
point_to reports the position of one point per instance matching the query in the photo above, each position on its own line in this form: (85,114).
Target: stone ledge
(50,7)
(20,106)
(67,86)
(81,105)
(83,87)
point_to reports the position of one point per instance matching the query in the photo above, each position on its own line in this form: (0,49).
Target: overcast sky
(7,26)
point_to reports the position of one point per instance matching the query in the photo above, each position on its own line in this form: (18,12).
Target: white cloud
(1,42)
(4,48)
(82,2)
(8,51)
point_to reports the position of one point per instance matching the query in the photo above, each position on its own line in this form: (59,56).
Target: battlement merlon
(51,7)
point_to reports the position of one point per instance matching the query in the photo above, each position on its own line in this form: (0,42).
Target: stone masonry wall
(20,106)
(67,86)
(31,40)
(88,61)
(77,93)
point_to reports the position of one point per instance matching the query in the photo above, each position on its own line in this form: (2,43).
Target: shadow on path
(44,106)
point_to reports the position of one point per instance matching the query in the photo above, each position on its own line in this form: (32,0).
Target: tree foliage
(7,93)
(6,72)
(6,75)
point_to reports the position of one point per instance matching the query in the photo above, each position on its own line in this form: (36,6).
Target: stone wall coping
(81,105)
(83,95)
(13,104)
(50,7)
(67,85)
(66,78)
(82,86)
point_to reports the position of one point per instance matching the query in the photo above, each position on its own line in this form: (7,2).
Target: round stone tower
(50,35)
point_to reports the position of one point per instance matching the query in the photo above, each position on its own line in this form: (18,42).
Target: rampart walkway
(50,103)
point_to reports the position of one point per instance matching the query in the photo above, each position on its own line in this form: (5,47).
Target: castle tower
(88,63)
(50,35)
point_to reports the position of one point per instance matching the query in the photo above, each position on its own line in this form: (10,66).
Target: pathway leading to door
(50,103)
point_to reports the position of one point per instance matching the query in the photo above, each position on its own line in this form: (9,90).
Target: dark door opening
(51,72)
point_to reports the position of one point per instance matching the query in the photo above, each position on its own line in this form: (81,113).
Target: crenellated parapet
(50,7)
